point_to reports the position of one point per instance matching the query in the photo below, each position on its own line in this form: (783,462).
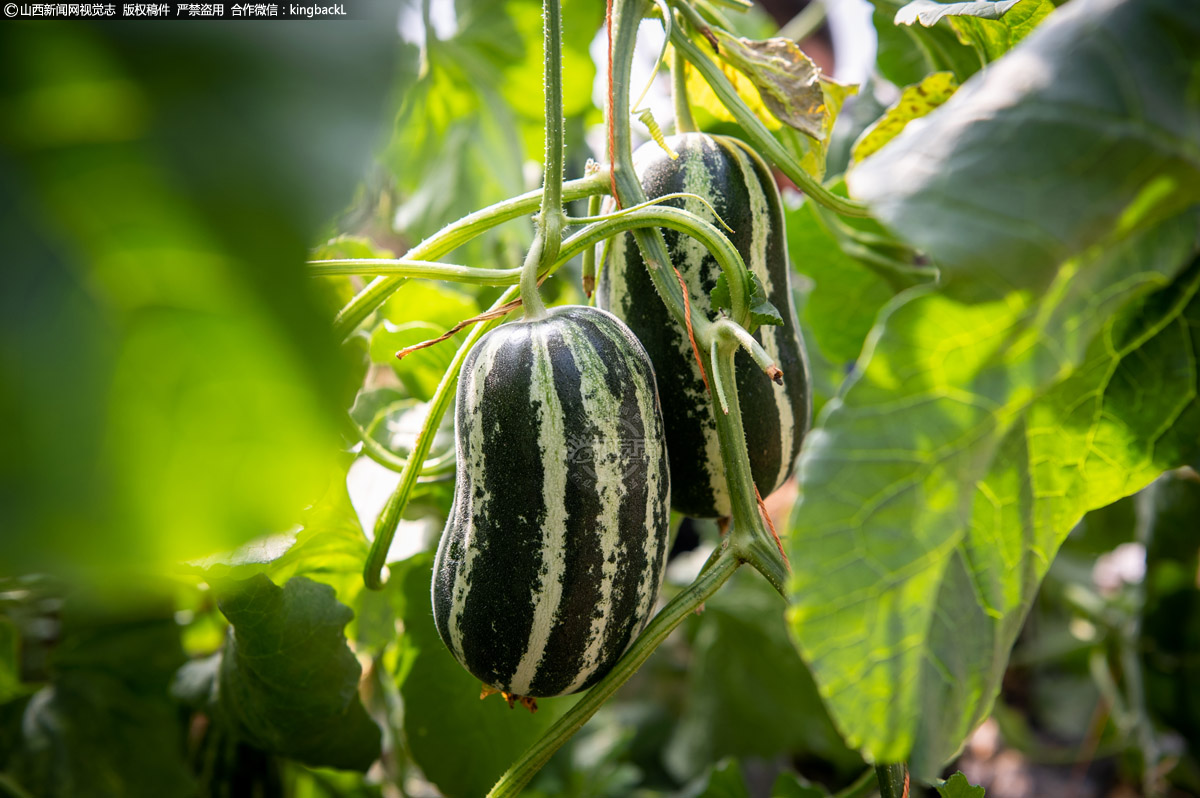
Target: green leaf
(328,546)
(748,693)
(105,725)
(725,780)
(1014,175)
(788,81)
(957,786)
(996,409)
(287,681)
(464,132)
(10,663)
(907,54)
(929,12)
(809,151)
(789,785)
(992,38)
(783,87)
(885,515)
(847,293)
(761,309)
(461,743)
(915,102)
(701,95)
(420,370)
(168,370)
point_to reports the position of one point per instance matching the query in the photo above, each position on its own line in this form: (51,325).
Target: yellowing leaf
(810,152)
(700,94)
(915,101)
(787,80)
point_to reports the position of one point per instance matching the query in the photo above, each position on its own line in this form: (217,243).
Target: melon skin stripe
(556,544)
(734,179)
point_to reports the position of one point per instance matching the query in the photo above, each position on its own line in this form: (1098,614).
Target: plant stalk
(589,254)
(455,235)
(748,536)
(550,221)
(626,17)
(416,269)
(893,780)
(684,121)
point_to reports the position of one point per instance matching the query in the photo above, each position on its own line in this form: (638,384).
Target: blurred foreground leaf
(164,361)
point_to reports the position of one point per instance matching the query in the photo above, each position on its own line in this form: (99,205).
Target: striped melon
(553,555)
(734,179)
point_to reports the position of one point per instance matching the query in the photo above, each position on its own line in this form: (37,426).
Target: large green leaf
(749,695)
(165,365)
(327,545)
(990,413)
(461,743)
(105,724)
(286,681)
(1052,148)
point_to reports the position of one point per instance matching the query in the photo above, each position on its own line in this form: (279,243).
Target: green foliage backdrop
(1004,357)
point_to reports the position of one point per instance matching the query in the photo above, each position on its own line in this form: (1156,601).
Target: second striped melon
(554,551)
(736,182)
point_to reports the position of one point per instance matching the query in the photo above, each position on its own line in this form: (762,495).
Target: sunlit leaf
(811,152)
(788,81)
(701,95)
(327,545)
(1040,379)
(929,12)
(993,38)
(915,101)
(957,786)
(908,53)
(169,372)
